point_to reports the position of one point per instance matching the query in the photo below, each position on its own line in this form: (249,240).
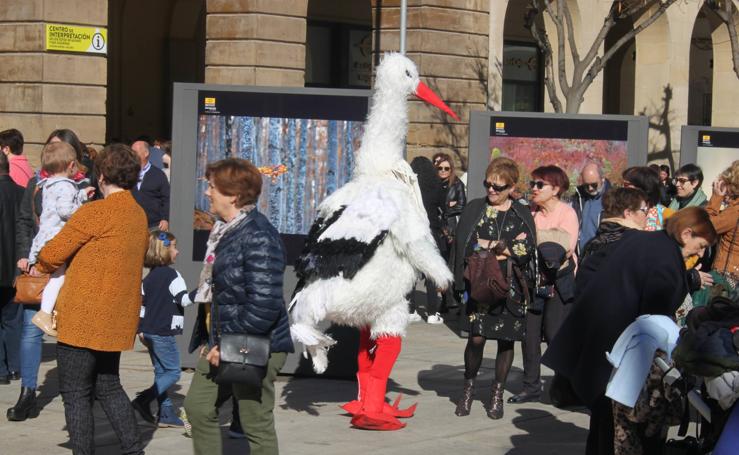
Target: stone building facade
(676,71)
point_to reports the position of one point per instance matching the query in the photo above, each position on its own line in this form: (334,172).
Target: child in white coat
(61,198)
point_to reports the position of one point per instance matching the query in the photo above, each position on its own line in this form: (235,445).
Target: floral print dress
(504,319)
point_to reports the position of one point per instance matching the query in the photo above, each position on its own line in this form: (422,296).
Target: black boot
(25,408)
(495,407)
(465,401)
(142,404)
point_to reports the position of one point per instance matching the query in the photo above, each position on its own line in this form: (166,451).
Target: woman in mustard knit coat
(103,244)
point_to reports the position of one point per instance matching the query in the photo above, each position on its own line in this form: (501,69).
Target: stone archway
(725,81)
(619,73)
(700,83)
(521,65)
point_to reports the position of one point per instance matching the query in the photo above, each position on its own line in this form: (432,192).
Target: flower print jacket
(468,222)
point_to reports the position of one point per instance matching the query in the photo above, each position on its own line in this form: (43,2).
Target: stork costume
(364,253)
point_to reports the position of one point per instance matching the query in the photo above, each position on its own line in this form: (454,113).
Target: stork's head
(387,123)
(398,75)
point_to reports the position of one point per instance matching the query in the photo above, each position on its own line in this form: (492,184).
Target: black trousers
(547,324)
(600,436)
(85,374)
(11,324)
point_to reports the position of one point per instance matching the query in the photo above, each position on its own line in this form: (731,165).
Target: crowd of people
(567,266)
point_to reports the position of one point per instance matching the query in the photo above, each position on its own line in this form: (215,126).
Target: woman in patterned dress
(496,221)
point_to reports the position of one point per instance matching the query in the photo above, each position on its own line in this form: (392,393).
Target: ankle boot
(495,408)
(25,408)
(465,402)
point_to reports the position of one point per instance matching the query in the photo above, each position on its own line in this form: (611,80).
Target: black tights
(473,358)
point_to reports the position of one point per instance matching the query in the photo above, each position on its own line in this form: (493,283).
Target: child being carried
(61,197)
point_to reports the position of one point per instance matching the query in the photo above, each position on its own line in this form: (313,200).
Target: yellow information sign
(74,38)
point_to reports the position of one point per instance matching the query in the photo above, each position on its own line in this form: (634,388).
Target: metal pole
(403,17)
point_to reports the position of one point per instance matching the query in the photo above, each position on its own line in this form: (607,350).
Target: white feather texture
(364,219)
(383,195)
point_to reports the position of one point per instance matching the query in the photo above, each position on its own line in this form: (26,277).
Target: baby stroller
(707,349)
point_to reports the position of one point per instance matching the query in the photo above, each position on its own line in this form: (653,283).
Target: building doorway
(701,68)
(619,74)
(523,86)
(152,44)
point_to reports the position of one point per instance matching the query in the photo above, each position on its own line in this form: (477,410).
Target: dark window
(338,55)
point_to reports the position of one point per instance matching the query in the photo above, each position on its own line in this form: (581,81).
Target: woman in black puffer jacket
(241,288)
(455,196)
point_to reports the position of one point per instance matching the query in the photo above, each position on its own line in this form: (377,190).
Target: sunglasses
(497,188)
(444,168)
(592,186)
(538,184)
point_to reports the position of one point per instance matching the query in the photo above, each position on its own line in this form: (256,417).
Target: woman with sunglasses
(499,223)
(551,216)
(688,180)
(455,195)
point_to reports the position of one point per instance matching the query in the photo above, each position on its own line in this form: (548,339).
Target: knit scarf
(204,293)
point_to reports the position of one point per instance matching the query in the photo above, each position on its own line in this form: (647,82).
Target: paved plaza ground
(309,421)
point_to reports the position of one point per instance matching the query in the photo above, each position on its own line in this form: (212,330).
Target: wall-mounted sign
(74,38)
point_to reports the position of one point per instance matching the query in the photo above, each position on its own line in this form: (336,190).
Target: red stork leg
(372,415)
(364,364)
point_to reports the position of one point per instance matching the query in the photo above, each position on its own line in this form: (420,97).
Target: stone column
(42,91)
(448,41)
(725,81)
(662,79)
(256,42)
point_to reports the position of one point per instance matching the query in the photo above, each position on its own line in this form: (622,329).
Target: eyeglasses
(497,188)
(444,168)
(680,181)
(539,184)
(644,210)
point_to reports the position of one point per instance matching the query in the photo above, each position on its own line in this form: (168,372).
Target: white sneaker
(414,317)
(435,319)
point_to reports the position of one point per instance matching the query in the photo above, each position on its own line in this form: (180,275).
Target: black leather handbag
(243,357)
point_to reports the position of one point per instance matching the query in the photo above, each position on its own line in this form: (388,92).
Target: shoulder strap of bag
(732,239)
(36,218)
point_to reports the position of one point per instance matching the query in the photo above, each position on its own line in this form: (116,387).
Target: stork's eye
(408,73)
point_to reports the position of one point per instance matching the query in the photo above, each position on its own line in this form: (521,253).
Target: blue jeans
(10,332)
(166,360)
(31,343)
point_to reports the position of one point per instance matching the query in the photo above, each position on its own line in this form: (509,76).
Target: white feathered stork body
(371,239)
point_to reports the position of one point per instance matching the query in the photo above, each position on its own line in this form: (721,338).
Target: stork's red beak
(426,94)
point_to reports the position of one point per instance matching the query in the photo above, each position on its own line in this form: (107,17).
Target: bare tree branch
(600,63)
(587,68)
(561,56)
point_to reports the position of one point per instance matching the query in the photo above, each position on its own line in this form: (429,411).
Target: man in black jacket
(10,313)
(152,190)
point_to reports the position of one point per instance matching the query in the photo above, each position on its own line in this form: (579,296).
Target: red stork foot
(376,421)
(353,407)
(402,413)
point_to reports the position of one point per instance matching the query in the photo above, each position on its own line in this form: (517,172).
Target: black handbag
(243,357)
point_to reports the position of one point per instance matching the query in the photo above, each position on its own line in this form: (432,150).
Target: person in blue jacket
(241,291)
